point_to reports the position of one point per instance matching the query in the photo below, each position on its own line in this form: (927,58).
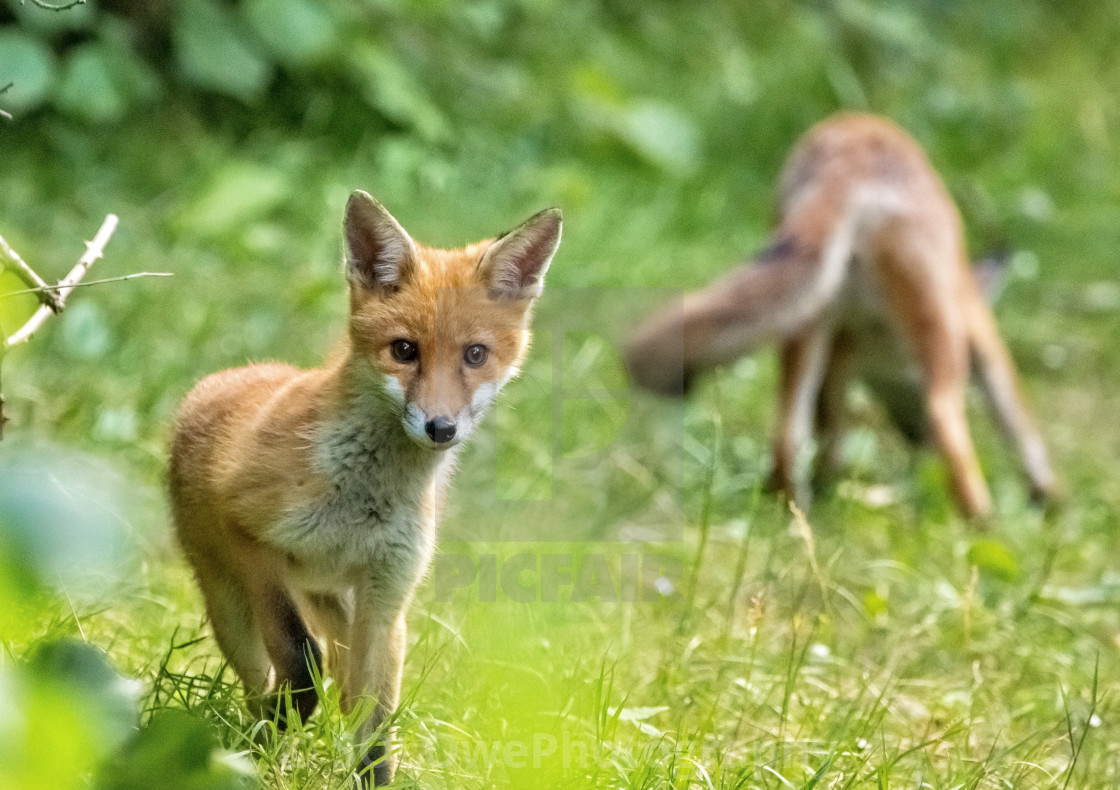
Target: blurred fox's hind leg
(926,314)
(997,378)
(831,409)
(804,360)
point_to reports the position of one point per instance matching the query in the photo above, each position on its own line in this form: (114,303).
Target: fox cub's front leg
(376,661)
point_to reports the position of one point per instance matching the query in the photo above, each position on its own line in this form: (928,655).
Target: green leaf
(86,87)
(101,82)
(29,66)
(48,742)
(84,671)
(135,77)
(994,559)
(176,750)
(656,131)
(214,54)
(66,709)
(238,194)
(295,32)
(661,134)
(885,25)
(392,90)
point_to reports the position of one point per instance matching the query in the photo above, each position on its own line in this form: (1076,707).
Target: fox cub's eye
(404,350)
(475,355)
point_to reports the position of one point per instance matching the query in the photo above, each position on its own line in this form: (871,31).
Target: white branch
(56,7)
(28,275)
(66,285)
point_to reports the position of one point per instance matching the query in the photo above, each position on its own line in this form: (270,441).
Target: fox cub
(866,275)
(307,500)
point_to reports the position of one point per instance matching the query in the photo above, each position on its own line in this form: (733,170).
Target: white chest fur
(376,520)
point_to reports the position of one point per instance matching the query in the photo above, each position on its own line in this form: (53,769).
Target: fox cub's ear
(379,252)
(515,264)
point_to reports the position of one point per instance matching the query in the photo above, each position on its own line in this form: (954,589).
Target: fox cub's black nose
(440,429)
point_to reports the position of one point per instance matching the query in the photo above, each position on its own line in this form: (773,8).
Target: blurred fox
(307,501)
(866,275)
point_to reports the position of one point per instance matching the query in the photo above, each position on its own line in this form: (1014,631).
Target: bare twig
(4,113)
(52,6)
(86,284)
(53,297)
(93,252)
(28,275)
(3,417)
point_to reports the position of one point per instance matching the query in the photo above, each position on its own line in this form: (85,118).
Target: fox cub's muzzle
(440,430)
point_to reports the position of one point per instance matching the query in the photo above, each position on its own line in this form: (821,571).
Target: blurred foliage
(670,84)
(174,749)
(68,711)
(59,530)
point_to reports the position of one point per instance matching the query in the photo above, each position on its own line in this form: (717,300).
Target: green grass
(883,643)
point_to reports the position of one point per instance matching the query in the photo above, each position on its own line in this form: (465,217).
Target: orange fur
(307,501)
(866,275)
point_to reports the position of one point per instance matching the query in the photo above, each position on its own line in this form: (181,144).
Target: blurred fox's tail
(780,291)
